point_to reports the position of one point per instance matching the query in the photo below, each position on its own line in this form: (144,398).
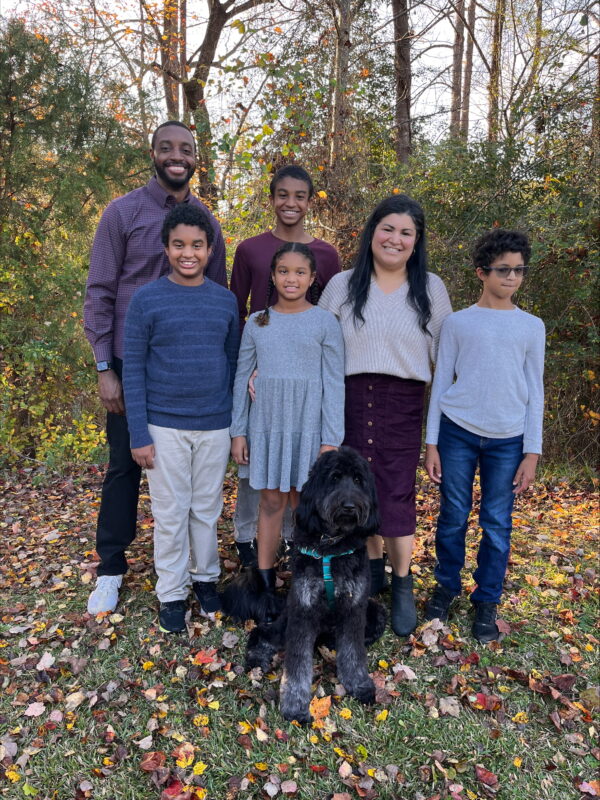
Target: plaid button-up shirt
(128,253)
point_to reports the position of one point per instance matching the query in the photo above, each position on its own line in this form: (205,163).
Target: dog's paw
(300,715)
(365,694)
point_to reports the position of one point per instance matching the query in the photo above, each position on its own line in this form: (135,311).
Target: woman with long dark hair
(391,311)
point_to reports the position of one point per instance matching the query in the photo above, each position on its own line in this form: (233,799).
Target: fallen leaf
(34,710)
(449,707)
(152,761)
(485,776)
(319,707)
(74,700)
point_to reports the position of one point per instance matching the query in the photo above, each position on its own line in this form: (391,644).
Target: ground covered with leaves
(109,707)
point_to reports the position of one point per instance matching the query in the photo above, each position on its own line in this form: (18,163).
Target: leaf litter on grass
(91,705)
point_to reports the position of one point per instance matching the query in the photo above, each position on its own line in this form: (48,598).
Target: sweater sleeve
(330,299)
(332,375)
(137,334)
(241,283)
(440,308)
(232,345)
(442,380)
(246,365)
(534,376)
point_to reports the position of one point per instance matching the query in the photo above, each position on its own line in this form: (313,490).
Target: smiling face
(290,201)
(393,242)
(188,254)
(498,290)
(292,278)
(174,157)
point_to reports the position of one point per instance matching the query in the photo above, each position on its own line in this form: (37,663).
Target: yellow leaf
(382,716)
(517,761)
(383,663)
(313,739)
(261,766)
(244,727)
(200,720)
(13,775)
(147,665)
(345,713)
(322,194)
(521,717)
(214,705)
(199,768)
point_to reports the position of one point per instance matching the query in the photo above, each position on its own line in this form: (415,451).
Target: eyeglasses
(504,272)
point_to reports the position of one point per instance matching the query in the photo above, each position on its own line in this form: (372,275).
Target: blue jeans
(460,452)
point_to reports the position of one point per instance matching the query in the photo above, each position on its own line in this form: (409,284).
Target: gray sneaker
(105,596)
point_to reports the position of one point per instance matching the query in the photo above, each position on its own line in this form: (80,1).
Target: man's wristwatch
(103,366)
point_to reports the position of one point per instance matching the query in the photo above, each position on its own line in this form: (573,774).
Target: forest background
(486,112)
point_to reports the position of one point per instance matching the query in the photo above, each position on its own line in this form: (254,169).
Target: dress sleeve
(106,263)
(246,365)
(137,334)
(440,308)
(534,376)
(442,380)
(332,374)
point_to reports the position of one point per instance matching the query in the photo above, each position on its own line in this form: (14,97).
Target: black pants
(120,491)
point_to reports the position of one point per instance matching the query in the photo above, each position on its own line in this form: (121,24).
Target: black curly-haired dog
(329,594)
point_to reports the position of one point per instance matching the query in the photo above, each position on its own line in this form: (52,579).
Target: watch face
(102,366)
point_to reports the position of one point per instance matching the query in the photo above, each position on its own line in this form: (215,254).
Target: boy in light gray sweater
(486,409)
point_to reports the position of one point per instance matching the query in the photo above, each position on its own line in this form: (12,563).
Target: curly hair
(494,243)
(187,214)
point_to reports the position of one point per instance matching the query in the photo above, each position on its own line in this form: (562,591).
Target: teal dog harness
(327,576)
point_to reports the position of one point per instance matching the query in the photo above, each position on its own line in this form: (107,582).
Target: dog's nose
(348,506)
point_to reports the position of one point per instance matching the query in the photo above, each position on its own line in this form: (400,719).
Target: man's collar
(162,196)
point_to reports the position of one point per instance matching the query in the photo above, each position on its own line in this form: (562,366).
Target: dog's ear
(373,522)
(308,521)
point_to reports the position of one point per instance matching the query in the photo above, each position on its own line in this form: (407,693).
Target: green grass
(137,682)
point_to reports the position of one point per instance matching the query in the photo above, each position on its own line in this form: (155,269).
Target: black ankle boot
(268,577)
(247,553)
(378,576)
(270,604)
(404,612)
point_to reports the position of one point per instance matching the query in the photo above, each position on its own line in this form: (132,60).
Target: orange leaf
(319,707)
(152,761)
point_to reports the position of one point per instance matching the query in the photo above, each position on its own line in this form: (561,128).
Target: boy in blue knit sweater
(181,345)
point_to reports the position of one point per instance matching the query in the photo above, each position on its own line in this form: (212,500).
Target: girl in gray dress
(298,351)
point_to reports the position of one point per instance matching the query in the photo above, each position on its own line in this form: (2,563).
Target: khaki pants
(186,490)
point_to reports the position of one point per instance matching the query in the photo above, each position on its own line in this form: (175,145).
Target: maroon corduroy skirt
(383,417)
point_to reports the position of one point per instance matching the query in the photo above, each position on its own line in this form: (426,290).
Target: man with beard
(128,253)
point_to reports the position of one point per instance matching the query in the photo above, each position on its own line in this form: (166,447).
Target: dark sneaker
(171,616)
(438,605)
(208,599)
(484,628)
(247,553)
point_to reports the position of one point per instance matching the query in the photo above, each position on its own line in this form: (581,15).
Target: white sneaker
(106,594)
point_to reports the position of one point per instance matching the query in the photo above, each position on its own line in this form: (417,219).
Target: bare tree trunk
(596,116)
(402,75)
(495,70)
(169,57)
(183,47)
(457,67)
(468,74)
(341,109)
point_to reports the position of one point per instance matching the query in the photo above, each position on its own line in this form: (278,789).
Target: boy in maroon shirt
(291,191)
